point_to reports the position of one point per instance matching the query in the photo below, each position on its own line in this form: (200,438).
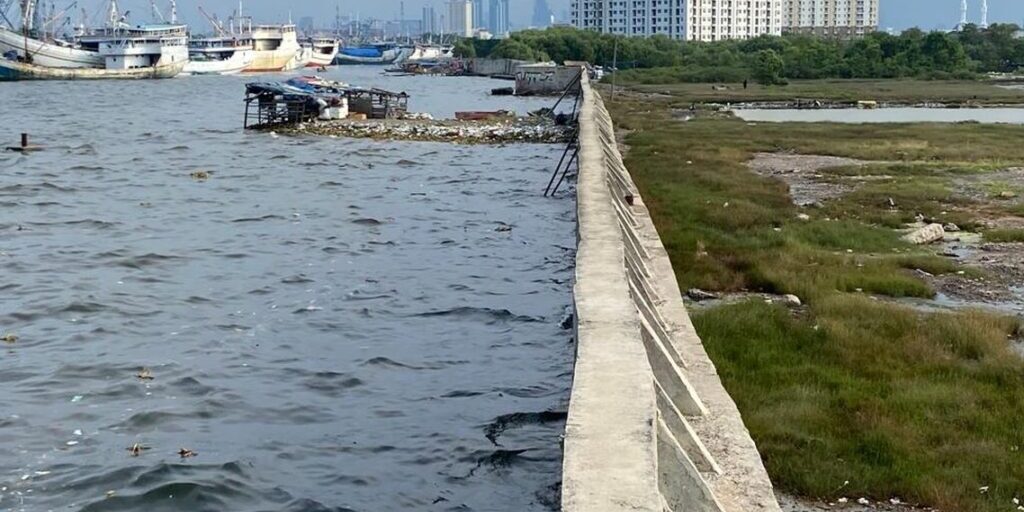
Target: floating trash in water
(9,338)
(186,453)
(145,374)
(200,175)
(137,449)
(77,398)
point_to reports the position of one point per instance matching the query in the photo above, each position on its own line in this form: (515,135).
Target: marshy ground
(897,376)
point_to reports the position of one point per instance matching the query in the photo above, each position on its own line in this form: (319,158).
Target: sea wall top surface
(650,426)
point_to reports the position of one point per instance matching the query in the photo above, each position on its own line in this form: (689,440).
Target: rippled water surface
(330,324)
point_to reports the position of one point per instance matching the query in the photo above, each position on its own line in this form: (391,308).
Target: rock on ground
(926,235)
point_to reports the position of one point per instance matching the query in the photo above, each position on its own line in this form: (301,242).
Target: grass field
(900,91)
(853,395)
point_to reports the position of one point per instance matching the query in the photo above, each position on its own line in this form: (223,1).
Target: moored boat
(376,53)
(276,48)
(56,53)
(428,52)
(13,70)
(323,51)
(219,55)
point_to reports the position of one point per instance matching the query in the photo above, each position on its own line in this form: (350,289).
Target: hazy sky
(897,14)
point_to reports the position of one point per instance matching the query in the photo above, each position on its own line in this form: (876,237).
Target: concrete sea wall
(650,426)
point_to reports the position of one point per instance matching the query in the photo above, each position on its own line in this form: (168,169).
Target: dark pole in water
(566,171)
(24,140)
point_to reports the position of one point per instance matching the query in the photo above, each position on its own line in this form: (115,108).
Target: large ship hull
(278,60)
(240,61)
(368,56)
(14,71)
(47,54)
(319,60)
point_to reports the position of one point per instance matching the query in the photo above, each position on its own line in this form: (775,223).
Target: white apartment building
(694,20)
(460,18)
(716,20)
(634,18)
(831,18)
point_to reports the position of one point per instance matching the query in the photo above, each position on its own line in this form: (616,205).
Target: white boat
(219,55)
(14,71)
(323,51)
(54,54)
(118,46)
(143,46)
(429,52)
(277,49)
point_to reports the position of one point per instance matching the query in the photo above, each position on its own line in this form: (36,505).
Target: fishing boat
(54,53)
(144,46)
(277,48)
(118,47)
(428,52)
(374,53)
(221,55)
(323,51)
(11,70)
(39,42)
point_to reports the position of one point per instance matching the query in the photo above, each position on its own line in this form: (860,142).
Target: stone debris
(926,235)
(461,132)
(793,300)
(951,228)
(699,295)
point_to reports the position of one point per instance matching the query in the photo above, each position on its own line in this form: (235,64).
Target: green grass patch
(925,407)
(899,91)
(1004,235)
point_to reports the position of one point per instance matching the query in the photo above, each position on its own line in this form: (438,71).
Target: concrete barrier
(545,79)
(650,426)
(493,67)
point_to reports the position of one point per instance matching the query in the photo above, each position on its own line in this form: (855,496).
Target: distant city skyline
(895,14)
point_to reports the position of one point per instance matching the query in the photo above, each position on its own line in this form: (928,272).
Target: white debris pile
(476,132)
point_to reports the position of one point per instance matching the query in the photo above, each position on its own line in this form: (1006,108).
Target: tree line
(771,59)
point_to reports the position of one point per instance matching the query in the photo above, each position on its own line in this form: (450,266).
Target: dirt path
(802,174)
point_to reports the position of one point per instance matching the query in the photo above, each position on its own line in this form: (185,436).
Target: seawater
(330,324)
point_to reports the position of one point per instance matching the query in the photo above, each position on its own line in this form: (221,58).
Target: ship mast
(174,12)
(112,21)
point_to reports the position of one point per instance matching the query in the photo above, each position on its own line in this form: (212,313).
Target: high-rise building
(831,18)
(478,13)
(460,18)
(429,21)
(694,20)
(542,13)
(498,20)
(716,20)
(634,18)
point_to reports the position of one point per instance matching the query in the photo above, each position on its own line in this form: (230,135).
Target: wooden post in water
(24,140)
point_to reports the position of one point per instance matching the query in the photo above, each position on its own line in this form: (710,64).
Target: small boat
(323,49)
(11,70)
(219,55)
